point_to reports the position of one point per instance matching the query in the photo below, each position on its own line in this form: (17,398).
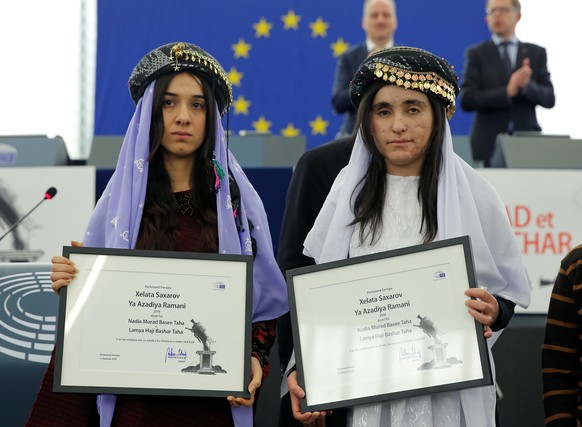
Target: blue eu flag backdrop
(279,54)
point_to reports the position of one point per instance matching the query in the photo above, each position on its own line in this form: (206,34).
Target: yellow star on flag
(319,28)
(319,126)
(291,21)
(262,28)
(235,76)
(290,131)
(241,49)
(241,106)
(339,47)
(262,125)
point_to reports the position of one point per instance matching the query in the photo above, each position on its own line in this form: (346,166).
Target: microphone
(49,194)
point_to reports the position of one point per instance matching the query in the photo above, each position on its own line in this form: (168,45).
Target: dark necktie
(505,56)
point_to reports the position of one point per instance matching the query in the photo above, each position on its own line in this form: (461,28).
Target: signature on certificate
(412,353)
(179,354)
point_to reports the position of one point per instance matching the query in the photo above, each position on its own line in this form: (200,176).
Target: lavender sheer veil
(116,220)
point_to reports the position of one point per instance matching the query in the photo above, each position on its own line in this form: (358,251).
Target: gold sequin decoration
(423,81)
(179,52)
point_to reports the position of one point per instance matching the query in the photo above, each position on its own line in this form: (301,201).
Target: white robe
(401,222)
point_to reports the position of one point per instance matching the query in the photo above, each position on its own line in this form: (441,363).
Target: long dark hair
(160,221)
(369,202)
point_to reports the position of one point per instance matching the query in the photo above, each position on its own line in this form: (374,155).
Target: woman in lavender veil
(176,187)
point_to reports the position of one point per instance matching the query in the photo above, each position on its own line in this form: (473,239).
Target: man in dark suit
(312,178)
(504,80)
(379,23)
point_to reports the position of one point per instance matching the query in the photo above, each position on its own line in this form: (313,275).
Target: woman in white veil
(405,186)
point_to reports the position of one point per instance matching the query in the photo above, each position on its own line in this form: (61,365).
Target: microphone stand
(21,219)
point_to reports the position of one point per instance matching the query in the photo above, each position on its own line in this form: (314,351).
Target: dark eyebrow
(175,94)
(384,104)
(415,102)
(381,104)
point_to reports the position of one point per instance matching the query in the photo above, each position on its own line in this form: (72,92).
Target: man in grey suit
(379,23)
(504,80)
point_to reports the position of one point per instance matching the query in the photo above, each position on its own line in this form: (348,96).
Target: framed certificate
(153,322)
(387,326)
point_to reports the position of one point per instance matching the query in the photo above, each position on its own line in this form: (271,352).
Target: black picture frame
(354,330)
(137,321)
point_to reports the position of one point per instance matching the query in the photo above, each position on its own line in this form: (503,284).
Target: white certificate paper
(148,322)
(387,326)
